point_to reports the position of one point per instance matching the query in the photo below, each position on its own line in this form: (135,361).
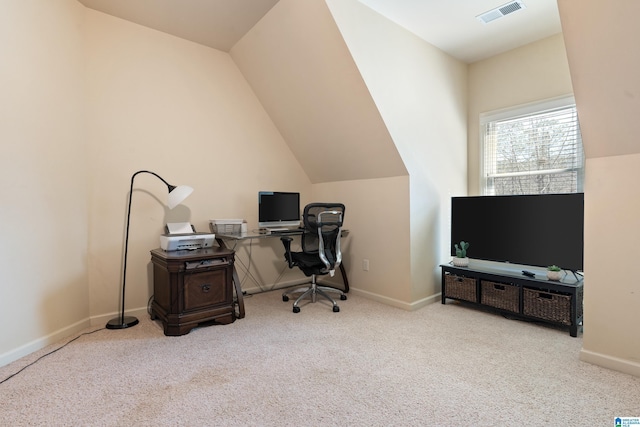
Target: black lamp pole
(176,195)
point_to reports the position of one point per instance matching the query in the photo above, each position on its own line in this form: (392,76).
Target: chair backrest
(323,226)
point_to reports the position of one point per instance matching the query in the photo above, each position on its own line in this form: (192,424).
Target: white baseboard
(104,318)
(611,362)
(42,342)
(397,303)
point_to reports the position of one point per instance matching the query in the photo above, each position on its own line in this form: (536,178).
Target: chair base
(312,292)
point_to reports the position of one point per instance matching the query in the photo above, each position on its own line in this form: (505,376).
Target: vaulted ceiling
(215,23)
(450,25)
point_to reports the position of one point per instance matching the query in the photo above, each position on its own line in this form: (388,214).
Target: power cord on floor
(51,352)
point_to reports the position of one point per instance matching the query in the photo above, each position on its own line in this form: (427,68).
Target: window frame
(525,110)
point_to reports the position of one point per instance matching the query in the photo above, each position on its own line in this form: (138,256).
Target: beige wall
(421,94)
(604,59)
(301,70)
(377,232)
(612,297)
(184,111)
(605,62)
(44,211)
(534,72)
(298,65)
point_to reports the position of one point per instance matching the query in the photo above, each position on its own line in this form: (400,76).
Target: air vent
(501,11)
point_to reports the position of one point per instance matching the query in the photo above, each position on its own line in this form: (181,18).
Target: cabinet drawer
(206,289)
(500,295)
(460,287)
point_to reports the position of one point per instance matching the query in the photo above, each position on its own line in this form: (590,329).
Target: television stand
(504,291)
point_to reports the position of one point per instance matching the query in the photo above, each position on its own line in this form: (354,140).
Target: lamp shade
(177,195)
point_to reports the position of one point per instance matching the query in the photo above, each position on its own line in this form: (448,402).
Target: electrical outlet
(365,264)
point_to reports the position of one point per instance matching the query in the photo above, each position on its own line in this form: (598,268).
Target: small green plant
(461,250)
(554,268)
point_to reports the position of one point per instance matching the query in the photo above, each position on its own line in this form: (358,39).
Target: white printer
(180,242)
(182,236)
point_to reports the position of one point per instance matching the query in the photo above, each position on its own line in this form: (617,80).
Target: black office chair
(320,251)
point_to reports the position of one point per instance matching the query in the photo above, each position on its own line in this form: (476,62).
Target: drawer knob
(206,288)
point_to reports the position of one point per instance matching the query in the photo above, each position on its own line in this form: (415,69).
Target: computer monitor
(278,209)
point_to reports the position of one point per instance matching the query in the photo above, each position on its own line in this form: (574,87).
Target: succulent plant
(461,251)
(554,268)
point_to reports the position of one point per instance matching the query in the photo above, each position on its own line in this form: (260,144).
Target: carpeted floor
(368,365)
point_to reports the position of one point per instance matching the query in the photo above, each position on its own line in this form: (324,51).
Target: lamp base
(122,323)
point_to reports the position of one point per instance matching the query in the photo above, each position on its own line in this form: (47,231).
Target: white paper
(179,228)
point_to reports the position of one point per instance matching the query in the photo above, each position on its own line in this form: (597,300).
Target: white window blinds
(534,152)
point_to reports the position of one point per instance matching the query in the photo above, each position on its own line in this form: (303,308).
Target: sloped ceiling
(301,70)
(299,66)
(604,60)
(292,54)
(214,23)
(450,25)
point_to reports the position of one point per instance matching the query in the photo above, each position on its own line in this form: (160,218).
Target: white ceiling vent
(501,11)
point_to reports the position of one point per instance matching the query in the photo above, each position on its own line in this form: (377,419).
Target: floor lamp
(176,196)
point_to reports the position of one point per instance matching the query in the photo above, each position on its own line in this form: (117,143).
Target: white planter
(461,262)
(554,275)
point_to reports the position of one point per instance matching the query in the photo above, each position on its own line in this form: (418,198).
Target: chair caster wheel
(336,309)
(285,298)
(296,309)
(343,297)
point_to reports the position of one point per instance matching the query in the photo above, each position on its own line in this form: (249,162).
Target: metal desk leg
(239,296)
(344,278)
(236,283)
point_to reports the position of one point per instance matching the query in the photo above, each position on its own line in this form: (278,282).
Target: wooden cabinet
(191,288)
(557,302)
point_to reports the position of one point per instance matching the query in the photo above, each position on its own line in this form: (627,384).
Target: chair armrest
(286,242)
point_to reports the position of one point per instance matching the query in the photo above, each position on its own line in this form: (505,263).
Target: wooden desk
(221,238)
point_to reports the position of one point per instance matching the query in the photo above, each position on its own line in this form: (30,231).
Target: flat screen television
(278,209)
(535,230)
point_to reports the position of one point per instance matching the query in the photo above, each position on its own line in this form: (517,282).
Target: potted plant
(461,259)
(554,272)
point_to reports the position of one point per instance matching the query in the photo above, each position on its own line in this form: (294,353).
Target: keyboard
(285,230)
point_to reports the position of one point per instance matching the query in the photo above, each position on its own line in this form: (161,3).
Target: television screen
(535,230)
(278,209)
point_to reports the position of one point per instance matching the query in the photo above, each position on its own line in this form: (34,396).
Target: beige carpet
(369,365)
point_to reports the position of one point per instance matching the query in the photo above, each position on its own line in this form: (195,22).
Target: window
(533,149)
